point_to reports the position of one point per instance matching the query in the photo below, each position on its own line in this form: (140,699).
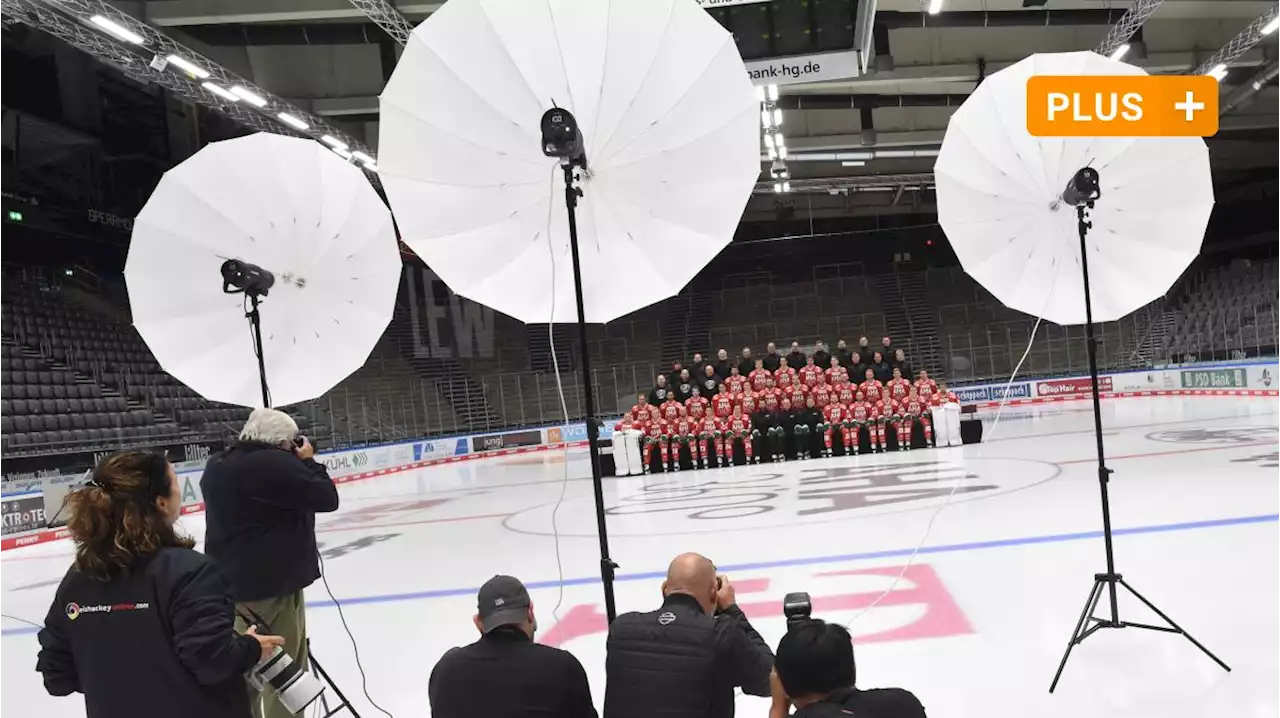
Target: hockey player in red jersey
(671,409)
(835,417)
(785,374)
(723,405)
(836,374)
(860,416)
(846,393)
(823,394)
(917,409)
(696,405)
(656,435)
(945,407)
(736,427)
(640,412)
(749,403)
(926,387)
(684,433)
(943,396)
(759,377)
(898,386)
(735,381)
(876,426)
(810,373)
(709,440)
(796,393)
(871,387)
(769,398)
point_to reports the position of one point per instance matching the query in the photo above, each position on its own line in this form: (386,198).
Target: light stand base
(1090,624)
(342,699)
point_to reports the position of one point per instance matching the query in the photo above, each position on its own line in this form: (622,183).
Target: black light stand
(1081,193)
(254,282)
(561,138)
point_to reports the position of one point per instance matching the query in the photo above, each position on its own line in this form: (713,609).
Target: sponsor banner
(426,450)
(342,463)
(1262,377)
(1014,391)
(1228,378)
(799,69)
(1142,381)
(1077,385)
(973,393)
(23,513)
(493,442)
(39,467)
(578,432)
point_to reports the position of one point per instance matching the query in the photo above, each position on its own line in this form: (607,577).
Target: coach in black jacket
(685,659)
(261,499)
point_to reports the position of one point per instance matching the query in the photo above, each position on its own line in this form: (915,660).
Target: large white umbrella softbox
(671,127)
(294,208)
(1000,191)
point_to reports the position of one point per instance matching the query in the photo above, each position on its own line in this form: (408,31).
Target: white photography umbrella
(1000,201)
(297,210)
(670,125)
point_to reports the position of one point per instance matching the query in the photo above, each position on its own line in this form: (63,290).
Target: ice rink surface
(975,627)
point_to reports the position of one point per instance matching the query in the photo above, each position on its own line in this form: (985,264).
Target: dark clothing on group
(684,390)
(659,394)
(844,357)
(158,641)
(875,703)
(261,503)
(822,358)
(883,371)
(904,367)
(771,362)
(724,368)
(698,369)
(506,675)
(746,365)
(673,377)
(887,352)
(678,662)
(709,386)
(795,359)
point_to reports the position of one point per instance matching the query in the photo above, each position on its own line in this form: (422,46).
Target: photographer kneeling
(261,500)
(141,624)
(815,672)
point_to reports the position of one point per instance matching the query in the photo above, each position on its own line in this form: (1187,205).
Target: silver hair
(269,426)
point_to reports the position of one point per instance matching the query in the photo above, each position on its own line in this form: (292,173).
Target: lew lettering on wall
(444,324)
(762,498)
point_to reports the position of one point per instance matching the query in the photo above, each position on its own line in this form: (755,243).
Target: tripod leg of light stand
(1173,627)
(1090,604)
(342,699)
(607,566)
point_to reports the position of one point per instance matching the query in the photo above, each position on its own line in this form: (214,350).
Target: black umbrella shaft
(606,564)
(255,321)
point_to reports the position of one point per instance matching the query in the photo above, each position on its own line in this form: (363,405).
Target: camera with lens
(295,688)
(797,608)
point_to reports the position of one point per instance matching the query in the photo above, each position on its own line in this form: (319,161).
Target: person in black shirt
(709,385)
(886,347)
(883,372)
(684,388)
(673,378)
(857,366)
(771,357)
(815,672)
(505,674)
(795,358)
(660,390)
(746,363)
(723,365)
(899,361)
(684,659)
(842,354)
(821,356)
(698,364)
(141,623)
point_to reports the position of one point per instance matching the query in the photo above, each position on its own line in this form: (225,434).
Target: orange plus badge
(1122,106)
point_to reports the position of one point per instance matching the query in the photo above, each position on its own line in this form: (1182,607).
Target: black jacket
(876,703)
(770,362)
(844,357)
(795,360)
(746,366)
(506,675)
(709,386)
(724,368)
(883,372)
(156,642)
(685,390)
(678,662)
(822,359)
(260,518)
(659,394)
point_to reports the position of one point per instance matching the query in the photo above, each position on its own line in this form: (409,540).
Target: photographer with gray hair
(261,500)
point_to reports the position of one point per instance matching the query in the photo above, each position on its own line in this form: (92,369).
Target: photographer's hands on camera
(304,450)
(725,594)
(266,644)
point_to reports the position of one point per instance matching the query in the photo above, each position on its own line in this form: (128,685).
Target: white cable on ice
(1004,397)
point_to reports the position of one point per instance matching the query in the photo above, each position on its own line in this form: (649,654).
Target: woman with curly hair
(142,624)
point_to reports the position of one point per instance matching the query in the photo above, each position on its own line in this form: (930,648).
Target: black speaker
(971,431)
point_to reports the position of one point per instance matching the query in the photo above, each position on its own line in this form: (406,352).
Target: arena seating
(1230,311)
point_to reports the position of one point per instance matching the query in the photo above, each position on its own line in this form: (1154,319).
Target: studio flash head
(560,135)
(295,688)
(241,276)
(797,608)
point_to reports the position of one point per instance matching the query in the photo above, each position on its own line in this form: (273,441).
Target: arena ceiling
(330,58)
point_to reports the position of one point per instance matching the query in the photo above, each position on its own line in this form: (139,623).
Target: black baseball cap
(502,601)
